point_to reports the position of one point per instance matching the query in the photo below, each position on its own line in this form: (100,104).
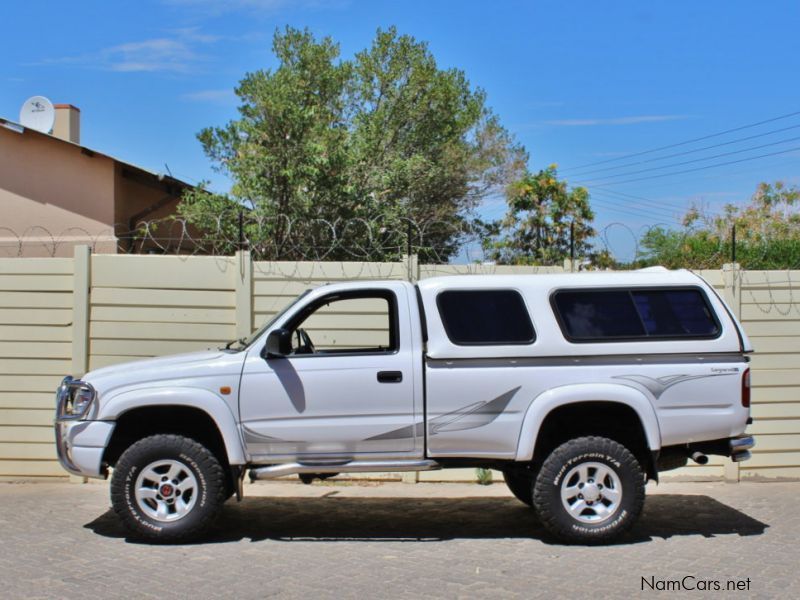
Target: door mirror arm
(279,344)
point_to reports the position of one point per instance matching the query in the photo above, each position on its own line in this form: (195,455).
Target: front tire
(589,490)
(167,488)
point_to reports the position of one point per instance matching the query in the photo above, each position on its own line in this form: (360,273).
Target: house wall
(143,193)
(52,196)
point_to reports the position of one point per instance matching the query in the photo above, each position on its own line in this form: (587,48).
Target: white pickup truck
(578,387)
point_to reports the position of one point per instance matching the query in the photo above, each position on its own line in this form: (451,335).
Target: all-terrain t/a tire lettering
(589,490)
(167,488)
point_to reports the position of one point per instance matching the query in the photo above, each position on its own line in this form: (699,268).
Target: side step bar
(355,466)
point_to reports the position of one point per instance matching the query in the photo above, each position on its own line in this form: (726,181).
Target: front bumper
(80,446)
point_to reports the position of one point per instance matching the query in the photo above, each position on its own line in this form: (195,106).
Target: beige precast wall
(69,315)
(768,302)
(143,306)
(36,315)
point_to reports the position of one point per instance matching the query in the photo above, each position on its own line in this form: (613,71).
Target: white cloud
(226,97)
(216,7)
(193,34)
(634,120)
(176,52)
(160,54)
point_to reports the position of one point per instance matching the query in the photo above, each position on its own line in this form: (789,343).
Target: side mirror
(279,344)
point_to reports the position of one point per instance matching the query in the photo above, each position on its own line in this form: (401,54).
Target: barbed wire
(614,245)
(376,249)
(266,237)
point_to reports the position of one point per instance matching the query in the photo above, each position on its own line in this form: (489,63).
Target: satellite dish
(38,113)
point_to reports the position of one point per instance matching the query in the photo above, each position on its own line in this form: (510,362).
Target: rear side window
(485,317)
(623,314)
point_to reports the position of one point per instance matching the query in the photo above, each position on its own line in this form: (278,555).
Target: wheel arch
(593,398)
(172,410)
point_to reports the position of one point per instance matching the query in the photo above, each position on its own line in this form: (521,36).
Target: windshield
(255,335)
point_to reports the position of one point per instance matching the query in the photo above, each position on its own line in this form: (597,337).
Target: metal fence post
(572,242)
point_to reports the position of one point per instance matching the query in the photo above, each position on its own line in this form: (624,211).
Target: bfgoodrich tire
(167,488)
(589,490)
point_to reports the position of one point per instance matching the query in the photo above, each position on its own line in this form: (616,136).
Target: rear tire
(167,488)
(589,490)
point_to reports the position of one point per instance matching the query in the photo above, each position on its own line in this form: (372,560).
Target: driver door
(347,388)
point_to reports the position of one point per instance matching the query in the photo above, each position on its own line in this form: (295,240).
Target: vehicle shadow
(331,519)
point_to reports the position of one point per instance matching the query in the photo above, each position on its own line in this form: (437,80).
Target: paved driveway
(398,541)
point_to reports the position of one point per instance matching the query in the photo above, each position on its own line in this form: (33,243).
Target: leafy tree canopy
(543,216)
(767,234)
(335,157)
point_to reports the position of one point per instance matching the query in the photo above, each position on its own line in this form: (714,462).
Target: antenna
(37,113)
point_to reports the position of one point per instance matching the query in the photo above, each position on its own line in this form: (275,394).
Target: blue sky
(577,82)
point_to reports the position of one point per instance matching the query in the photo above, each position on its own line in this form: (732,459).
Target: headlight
(74,399)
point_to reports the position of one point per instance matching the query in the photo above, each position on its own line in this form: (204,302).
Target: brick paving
(395,540)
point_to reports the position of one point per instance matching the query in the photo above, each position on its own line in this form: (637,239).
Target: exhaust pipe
(741,456)
(741,444)
(740,448)
(699,458)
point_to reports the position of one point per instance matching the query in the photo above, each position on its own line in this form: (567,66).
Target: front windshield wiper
(242,341)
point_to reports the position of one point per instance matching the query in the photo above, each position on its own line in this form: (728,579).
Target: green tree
(338,157)
(767,234)
(544,214)
(287,152)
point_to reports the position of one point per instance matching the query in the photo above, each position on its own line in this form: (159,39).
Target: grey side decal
(254,437)
(659,385)
(471,416)
(400,434)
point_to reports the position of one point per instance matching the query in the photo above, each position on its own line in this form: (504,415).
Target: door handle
(390,376)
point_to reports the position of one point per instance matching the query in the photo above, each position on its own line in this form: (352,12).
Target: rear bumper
(80,446)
